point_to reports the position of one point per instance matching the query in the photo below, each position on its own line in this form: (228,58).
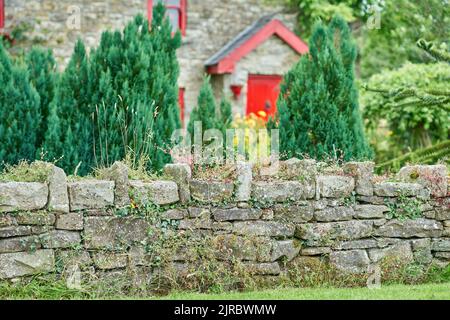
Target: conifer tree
(20,118)
(42,72)
(318,112)
(134,89)
(206,110)
(70,117)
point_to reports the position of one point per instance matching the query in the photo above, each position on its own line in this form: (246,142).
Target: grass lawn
(58,291)
(402,292)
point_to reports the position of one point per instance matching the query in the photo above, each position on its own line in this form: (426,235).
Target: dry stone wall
(347,217)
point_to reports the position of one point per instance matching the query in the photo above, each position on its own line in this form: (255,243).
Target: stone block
(39,218)
(334,214)
(118,173)
(110,260)
(60,239)
(18,244)
(235,214)
(114,232)
(395,189)
(244,181)
(91,194)
(433,177)
(15,231)
(285,250)
(418,228)
(400,252)
(211,191)
(14,265)
(263,228)
(182,175)
(353,261)
(58,197)
(281,191)
(157,192)
(293,213)
(368,211)
(22,196)
(344,230)
(335,186)
(363,174)
(70,221)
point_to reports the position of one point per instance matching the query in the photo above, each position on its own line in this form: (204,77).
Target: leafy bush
(408,127)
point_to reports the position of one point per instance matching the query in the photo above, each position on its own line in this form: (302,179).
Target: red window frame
(181,101)
(182,10)
(2,14)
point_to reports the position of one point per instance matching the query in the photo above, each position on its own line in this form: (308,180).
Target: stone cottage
(245,45)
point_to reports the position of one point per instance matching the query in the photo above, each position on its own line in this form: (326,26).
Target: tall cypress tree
(318,111)
(20,117)
(42,72)
(134,89)
(70,117)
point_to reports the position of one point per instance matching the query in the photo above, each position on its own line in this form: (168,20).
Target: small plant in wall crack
(404,208)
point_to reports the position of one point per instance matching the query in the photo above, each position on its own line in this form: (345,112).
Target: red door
(262,95)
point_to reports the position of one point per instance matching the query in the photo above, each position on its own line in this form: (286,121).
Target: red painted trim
(181,102)
(182,23)
(2,14)
(275,27)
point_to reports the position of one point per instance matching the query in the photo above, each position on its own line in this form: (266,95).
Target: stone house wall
(347,218)
(211,24)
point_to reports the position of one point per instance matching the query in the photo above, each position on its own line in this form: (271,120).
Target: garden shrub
(318,110)
(20,117)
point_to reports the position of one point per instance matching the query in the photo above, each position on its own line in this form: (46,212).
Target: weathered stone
(400,252)
(60,239)
(58,196)
(113,233)
(263,228)
(263,268)
(211,191)
(118,173)
(7,220)
(307,263)
(243,248)
(244,181)
(363,174)
(15,231)
(335,186)
(110,260)
(442,255)
(41,229)
(174,214)
(267,214)
(379,222)
(368,211)
(82,259)
(386,242)
(286,250)
(422,251)
(334,214)
(91,194)
(197,212)
(345,230)
(441,244)
(293,213)
(236,214)
(35,218)
(442,213)
(19,244)
(280,191)
(202,222)
(139,257)
(222,227)
(303,170)
(315,251)
(371,200)
(22,196)
(433,177)
(419,228)
(353,261)
(182,175)
(157,192)
(13,265)
(394,189)
(70,221)
(355,244)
